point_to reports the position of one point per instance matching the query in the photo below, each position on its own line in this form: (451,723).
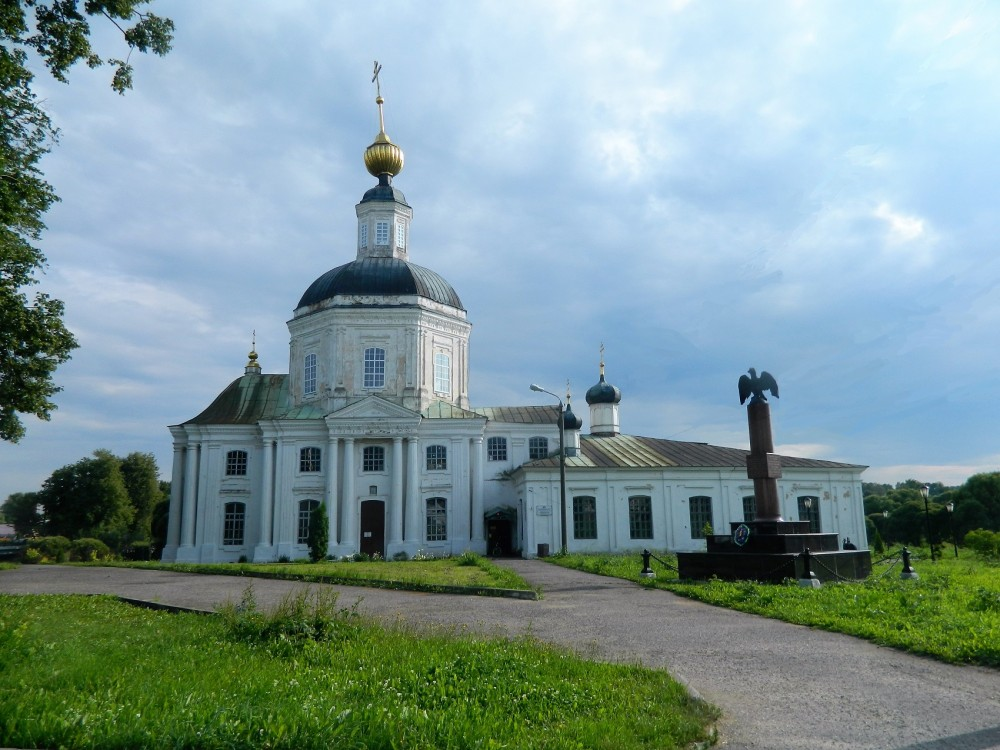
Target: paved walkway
(780,686)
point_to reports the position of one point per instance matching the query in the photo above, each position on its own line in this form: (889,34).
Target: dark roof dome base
(375,276)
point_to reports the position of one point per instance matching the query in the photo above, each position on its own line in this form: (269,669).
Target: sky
(807,188)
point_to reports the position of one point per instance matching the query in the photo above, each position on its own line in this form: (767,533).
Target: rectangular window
(437,458)
(232,524)
(701,515)
(381,233)
(442,373)
(236,464)
(809,511)
(640,517)
(584,517)
(373,458)
(400,235)
(749,508)
(437,519)
(538,447)
(309,459)
(306,508)
(374,368)
(363,235)
(496,449)
(309,375)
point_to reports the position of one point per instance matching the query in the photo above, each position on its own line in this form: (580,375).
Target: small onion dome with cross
(603,392)
(569,419)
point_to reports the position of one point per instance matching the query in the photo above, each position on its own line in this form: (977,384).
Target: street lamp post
(562,464)
(926,491)
(951,525)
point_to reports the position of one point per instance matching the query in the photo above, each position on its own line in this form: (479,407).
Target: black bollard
(647,572)
(809,579)
(908,572)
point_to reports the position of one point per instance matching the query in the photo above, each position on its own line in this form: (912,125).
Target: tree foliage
(21,511)
(142,484)
(33,339)
(88,499)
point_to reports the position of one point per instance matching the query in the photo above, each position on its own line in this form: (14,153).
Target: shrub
(319,533)
(468,559)
(301,617)
(984,543)
(32,556)
(51,548)
(400,556)
(89,550)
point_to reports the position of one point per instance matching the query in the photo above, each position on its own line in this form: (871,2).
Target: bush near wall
(89,550)
(58,549)
(48,549)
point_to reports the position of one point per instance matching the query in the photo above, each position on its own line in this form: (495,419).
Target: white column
(176,495)
(477,520)
(414,527)
(190,487)
(264,550)
(349,499)
(332,501)
(396,493)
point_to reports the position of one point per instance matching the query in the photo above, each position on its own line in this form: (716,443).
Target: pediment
(373,409)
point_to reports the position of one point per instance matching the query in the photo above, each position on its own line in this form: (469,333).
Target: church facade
(374,421)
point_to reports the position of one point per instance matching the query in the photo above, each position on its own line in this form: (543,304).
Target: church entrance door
(498,537)
(373,528)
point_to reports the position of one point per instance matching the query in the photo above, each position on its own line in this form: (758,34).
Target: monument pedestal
(773,551)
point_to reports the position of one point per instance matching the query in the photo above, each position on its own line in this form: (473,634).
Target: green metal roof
(520,414)
(444,410)
(633,452)
(251,398)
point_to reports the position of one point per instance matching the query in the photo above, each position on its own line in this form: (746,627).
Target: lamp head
(535,387)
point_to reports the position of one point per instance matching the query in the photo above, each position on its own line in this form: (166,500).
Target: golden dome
(383,156)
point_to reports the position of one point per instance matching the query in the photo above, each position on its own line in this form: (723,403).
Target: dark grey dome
(603,393)
(372,276)
(570,420)
(384,191)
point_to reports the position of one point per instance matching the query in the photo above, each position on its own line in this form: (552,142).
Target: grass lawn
(91,672)
(951,613)
(468,570)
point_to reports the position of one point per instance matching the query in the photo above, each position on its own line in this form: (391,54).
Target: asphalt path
(780,686)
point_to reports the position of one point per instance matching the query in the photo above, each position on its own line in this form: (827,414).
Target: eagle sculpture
(755,385)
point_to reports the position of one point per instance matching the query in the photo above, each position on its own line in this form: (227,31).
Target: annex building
(374,420)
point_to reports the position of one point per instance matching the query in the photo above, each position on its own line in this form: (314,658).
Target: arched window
(749,507)
(538,447)
(496,449)
(236,464)
(640,517)
(374,367)
(309,459)
(309,375)
(585,517)
(809,511)
(437,458)
(437,519)
(701,515)
(233,522)
(306,508)
(373,458)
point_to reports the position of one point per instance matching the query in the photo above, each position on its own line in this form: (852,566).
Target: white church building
(374,420)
